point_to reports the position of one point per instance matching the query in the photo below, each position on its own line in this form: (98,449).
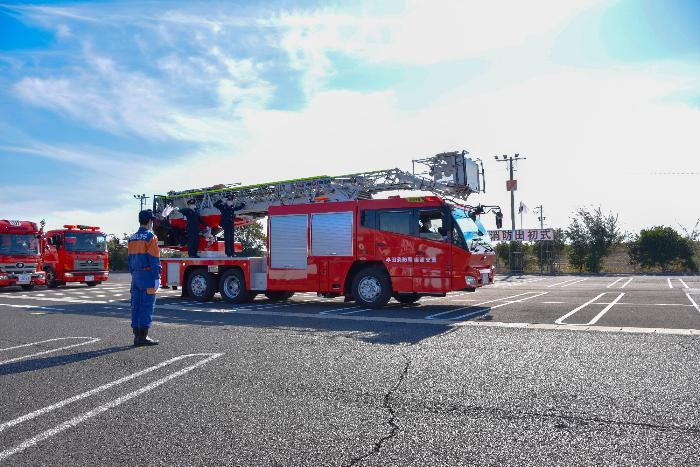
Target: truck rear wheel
(371,288)
(50,278)
(201,285)
(278,295)
(232,287)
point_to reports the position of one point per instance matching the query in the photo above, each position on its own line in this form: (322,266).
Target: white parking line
(32,307)
(345,308)
(693,302)
(91,392)
(670,286)
(498,306)
(605,310)
(101,409)
(574,282)
(560,283)
(614,282)
(433,316)
(91,340)
(626,283)
(597,317)
(685,286)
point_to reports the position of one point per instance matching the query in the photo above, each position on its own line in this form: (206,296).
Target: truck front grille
(88,265)
(19,267)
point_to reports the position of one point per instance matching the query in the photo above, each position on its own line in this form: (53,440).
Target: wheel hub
(369,288)
(199,285)
(232,287)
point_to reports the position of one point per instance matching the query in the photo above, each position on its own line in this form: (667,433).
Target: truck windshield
(85,242)
(19,244)
(475,234)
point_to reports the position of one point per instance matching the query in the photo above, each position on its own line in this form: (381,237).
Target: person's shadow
(48,362)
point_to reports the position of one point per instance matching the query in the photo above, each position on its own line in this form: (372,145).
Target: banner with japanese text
(522,235)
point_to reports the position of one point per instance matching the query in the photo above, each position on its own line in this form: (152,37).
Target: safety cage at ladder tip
(330,235)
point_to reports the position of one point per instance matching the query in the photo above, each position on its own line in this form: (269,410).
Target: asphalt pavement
(565,370)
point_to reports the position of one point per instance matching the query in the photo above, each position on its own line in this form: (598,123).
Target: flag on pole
(522,209)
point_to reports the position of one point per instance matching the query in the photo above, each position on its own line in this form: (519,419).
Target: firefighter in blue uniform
(144,266)
(228,216)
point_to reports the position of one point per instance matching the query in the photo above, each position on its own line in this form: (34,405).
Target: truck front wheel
(371,288)
(232,287)
(201,285)
(51,282)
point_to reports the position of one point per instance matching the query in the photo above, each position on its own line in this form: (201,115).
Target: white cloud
(591,136)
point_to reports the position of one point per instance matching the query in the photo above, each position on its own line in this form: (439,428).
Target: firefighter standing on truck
(193,221)
(228,218)
(144,266)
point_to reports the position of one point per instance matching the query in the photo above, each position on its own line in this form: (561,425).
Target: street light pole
(142,199)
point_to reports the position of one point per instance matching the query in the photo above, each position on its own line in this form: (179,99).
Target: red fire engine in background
(326,235)
(76,253)
(19,254)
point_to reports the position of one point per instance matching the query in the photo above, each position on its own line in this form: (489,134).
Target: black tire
(27,287)
(407,298)
(201,285)
(93,283)
(51,282)
(278,295)
(233,287)
(371,288)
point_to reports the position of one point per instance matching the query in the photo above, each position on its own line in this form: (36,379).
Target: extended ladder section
(450,174)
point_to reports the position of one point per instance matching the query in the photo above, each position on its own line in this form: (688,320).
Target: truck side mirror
(499,219)
(55,240)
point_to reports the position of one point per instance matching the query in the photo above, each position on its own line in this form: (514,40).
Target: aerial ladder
(451,175)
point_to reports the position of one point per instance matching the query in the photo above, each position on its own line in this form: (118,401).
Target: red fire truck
(76,253)
(19,254)
(324,236)
(369,251)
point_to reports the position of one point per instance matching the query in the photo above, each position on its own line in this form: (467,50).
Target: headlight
(3,278)
(470,280)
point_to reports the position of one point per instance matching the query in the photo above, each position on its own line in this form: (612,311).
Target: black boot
(147,340)
(136,335)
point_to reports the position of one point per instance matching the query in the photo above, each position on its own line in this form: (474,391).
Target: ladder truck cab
(19,254)
(75,253)
(327,235)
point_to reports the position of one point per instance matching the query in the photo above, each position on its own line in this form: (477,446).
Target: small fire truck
(75,253)
(19,254)
(326,235)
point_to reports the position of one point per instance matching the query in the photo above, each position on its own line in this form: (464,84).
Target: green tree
(546,251)
(505,251)
(591,234)
(252,238)
(117,249)
(662,246)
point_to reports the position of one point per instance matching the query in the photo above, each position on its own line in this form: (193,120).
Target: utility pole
(540,210)
(142,198)
(512,185)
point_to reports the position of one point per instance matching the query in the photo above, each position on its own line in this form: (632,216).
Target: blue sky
(101,100)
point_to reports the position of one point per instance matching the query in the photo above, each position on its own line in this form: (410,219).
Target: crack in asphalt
(394,428)
(561,417)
